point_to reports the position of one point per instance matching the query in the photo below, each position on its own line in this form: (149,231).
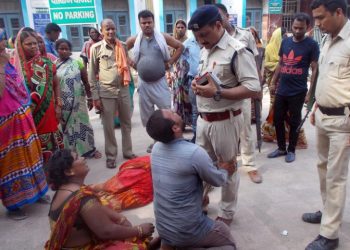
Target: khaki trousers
(110,107)
(220,139)
(333,148)
(247,138)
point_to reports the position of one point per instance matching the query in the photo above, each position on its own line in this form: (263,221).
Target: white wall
(139,5)
(234,7)
(157,13)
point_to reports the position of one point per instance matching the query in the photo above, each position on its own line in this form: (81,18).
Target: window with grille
(290,7)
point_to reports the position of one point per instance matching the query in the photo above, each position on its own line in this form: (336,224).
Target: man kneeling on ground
(178,171)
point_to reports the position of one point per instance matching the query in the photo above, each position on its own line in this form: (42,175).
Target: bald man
(109,94)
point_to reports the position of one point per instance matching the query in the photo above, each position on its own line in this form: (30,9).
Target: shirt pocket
(339,67)
(224,73)
(106,61)
(219,70)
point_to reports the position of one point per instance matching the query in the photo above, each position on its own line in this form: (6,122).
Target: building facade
(244,13)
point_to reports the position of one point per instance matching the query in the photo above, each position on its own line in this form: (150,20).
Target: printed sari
(181,86)
(61,228)
(22,178)
(38,74)
(76,128)
(130,188)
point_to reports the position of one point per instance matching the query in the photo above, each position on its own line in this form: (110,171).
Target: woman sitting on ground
(77,217)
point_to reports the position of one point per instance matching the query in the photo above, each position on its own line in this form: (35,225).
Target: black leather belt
(332,111)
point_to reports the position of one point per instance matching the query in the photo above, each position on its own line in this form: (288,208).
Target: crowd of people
(208,80)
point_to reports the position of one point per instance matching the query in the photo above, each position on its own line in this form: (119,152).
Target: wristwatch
(217,95)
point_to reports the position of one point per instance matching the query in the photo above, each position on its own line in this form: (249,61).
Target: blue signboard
(233,19)
(40,21)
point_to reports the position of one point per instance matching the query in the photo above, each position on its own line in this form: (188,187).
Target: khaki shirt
(102,63)
(333,83)
(217,60)
(245,37)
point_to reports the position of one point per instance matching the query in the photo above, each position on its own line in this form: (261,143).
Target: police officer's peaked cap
(204,15)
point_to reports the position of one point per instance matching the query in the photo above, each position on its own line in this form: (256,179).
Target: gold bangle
(59,102)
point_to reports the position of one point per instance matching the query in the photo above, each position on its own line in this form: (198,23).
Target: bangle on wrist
(59,102)
(122,220)
(139,229)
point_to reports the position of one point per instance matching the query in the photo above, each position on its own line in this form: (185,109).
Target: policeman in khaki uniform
(247,136)
(219,106)
(332,120)
(109,94)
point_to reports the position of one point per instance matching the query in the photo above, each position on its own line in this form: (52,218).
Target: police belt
(219,116)
(332,111)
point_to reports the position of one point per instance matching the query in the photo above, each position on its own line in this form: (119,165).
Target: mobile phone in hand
(202,80)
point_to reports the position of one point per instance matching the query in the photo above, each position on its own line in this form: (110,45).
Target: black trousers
(292,105)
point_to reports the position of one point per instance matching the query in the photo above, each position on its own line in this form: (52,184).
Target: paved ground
(264,210)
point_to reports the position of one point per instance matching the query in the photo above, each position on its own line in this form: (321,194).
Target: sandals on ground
(93,154)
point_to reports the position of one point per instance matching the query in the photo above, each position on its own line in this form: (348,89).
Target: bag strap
(233,60)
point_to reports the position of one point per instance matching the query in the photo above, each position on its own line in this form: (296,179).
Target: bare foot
(97,154)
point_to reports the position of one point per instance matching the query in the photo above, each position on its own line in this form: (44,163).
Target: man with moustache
(297,54)
(331,117)
(151,60)
(52,32)
(110,91)
(178,171)
(220,105)
(247,136)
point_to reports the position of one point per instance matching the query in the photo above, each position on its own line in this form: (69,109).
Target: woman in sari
(95,37)
(42,49)
(80,219)
(270,65)
(39,75)
(22,178)
(179,75)
(77,130)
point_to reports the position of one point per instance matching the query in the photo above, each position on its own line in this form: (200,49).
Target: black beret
(204,15)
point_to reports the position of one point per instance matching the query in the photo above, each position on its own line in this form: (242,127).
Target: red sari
(38,74)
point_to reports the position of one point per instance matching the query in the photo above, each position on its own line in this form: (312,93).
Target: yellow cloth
(272,50)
